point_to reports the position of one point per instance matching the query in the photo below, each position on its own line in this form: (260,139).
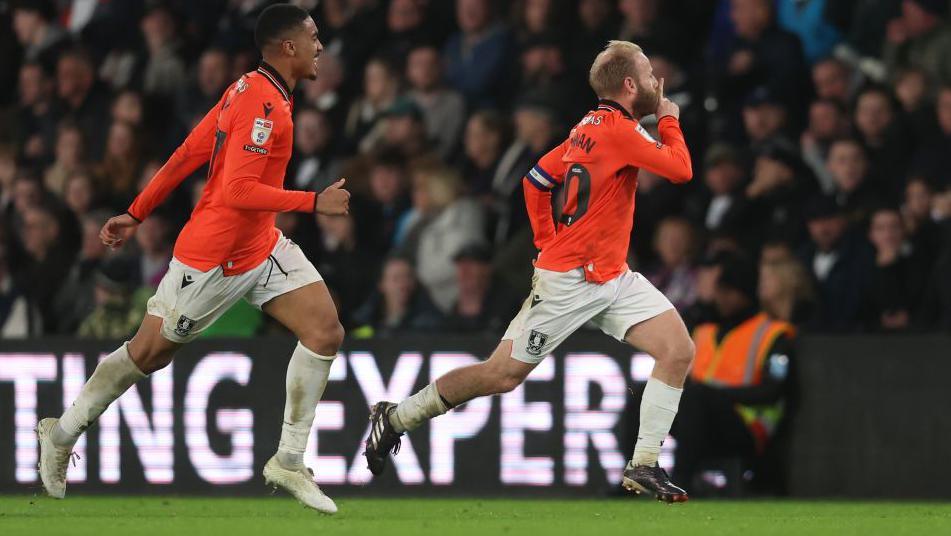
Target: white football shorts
(562,302)
(189,300)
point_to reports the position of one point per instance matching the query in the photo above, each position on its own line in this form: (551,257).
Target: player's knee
(682,351)
(324,339)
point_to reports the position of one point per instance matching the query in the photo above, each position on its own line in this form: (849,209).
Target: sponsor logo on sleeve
(254,149)
(261,130)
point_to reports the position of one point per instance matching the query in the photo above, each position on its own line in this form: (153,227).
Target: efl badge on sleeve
(261,131)
(536,340)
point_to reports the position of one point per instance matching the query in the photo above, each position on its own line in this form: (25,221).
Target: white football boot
(54,460)
(300,484)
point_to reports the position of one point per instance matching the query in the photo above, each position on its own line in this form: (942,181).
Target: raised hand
(117,230)
(334,200)
(665,106)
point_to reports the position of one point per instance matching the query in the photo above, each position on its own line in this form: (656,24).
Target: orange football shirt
(596,168)
(246,139)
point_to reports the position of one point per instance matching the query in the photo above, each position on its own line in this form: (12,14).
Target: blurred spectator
(886,140)
(920,37)
(854,193)
(720,204)
(405,24)
(735,402)
(35,118)
(325,94)
(780,185)
(841,264)
(118,172)
(923,233)
(313,166)
(69,157)
(345,265)
(116,314)
(212,76)
(899,276)
(827,122)
(532,18)
(933,157)
(47,261)
(708,271)
(914,92)
(19,316)
(483,304)
(79,194)
(76,298)
(477,56)
(486,136)
(592,29)
(389,200)
(400,128)
(444,110)
(535,135)
(833,80)
(807,19)
(785,289)
(441,224)
(764,117)
(675,276)
(397,306)
(863,23)
(642,23)
(8,174)
(380,89)
(163,71)
(40,37)
(155,250)
(544,80)
(83,100)
(759,55)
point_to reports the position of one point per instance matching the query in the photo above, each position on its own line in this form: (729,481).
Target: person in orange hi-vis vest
(739,380)
(230,249)
(581,273)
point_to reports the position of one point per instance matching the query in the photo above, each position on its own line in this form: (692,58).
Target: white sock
(418,408)
(114,375)
(658,409)
(306,380)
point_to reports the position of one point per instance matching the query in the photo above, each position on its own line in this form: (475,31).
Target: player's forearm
(181,164)
(249,194)
(538,206)
(674,162)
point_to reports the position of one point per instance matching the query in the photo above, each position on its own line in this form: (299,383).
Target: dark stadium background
(820,137)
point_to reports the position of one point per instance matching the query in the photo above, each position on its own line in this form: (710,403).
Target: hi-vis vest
(737,361)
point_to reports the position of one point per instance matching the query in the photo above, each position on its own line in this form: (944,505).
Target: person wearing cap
(482,305)
(720,204)
(401,128)
(764,116)
(920,37)
(841,264)
(740,379)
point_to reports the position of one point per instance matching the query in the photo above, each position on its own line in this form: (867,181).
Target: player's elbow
(235,195)
(681,175)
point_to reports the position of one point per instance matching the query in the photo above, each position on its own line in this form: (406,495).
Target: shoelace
(63,459)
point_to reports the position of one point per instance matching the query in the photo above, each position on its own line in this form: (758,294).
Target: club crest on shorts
(536,340)
(184,326)
(261,131)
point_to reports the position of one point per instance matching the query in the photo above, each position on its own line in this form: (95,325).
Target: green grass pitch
(281,516)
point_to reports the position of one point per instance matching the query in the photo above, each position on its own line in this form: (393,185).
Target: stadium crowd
(820,132)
